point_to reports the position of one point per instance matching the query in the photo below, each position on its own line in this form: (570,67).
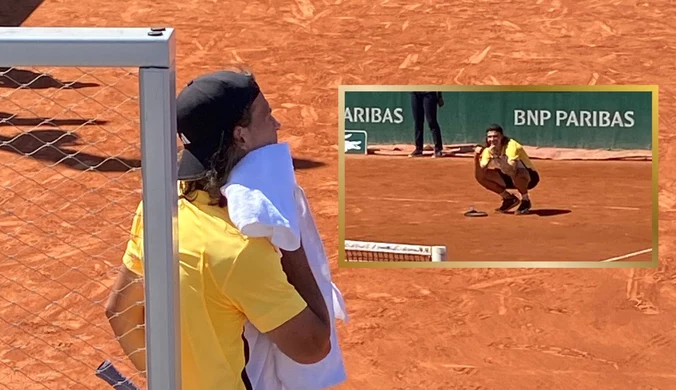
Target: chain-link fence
(72,138)
(69,186)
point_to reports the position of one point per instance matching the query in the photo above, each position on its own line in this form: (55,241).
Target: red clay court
(441,329)
(583,210)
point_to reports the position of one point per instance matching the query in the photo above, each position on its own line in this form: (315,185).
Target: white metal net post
(75,103)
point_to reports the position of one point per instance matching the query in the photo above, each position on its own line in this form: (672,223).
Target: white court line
(455,201)
(627,255)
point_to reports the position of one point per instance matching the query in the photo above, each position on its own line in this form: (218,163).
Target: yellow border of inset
(654,89)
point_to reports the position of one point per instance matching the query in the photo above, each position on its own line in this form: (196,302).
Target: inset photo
(498,176)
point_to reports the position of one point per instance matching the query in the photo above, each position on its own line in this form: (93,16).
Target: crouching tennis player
(502,164)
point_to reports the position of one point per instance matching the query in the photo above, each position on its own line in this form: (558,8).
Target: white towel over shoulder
(260,196)
(265,201)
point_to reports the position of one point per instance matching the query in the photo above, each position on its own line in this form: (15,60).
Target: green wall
(588,120)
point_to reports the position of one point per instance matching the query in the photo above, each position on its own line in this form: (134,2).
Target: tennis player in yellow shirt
(503,164)
(226,278)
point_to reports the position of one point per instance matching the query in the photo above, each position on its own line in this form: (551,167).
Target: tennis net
(380,251)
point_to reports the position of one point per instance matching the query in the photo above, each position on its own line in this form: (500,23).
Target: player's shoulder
(209,233)
(139,208)
(514,144)
(243,257)
(257,249)
(201,224)
(206,227)
(233,246)
(137,221)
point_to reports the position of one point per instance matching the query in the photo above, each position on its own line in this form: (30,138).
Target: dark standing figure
(424,106)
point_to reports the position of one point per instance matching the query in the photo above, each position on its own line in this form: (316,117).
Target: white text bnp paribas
(569,118)
(374,115)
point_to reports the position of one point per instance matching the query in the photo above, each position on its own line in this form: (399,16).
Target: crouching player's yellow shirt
(225,279)
(513,151)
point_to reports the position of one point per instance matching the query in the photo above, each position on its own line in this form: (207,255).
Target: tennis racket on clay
(114,378)
(474,213)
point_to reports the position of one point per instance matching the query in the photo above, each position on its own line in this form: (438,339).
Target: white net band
(380,251)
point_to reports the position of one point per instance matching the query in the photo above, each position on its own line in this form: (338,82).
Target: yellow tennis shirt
(225,279)
(513,151)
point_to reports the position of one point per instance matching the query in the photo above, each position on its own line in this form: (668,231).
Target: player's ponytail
(221,165)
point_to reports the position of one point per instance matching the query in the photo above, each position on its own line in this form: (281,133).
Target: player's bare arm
(477,157)
(306,337)
(125,311)
(297,269)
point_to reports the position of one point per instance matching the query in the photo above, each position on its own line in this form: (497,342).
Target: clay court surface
(582,210)
(409,329)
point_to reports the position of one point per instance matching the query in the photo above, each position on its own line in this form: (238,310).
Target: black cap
(208,109)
